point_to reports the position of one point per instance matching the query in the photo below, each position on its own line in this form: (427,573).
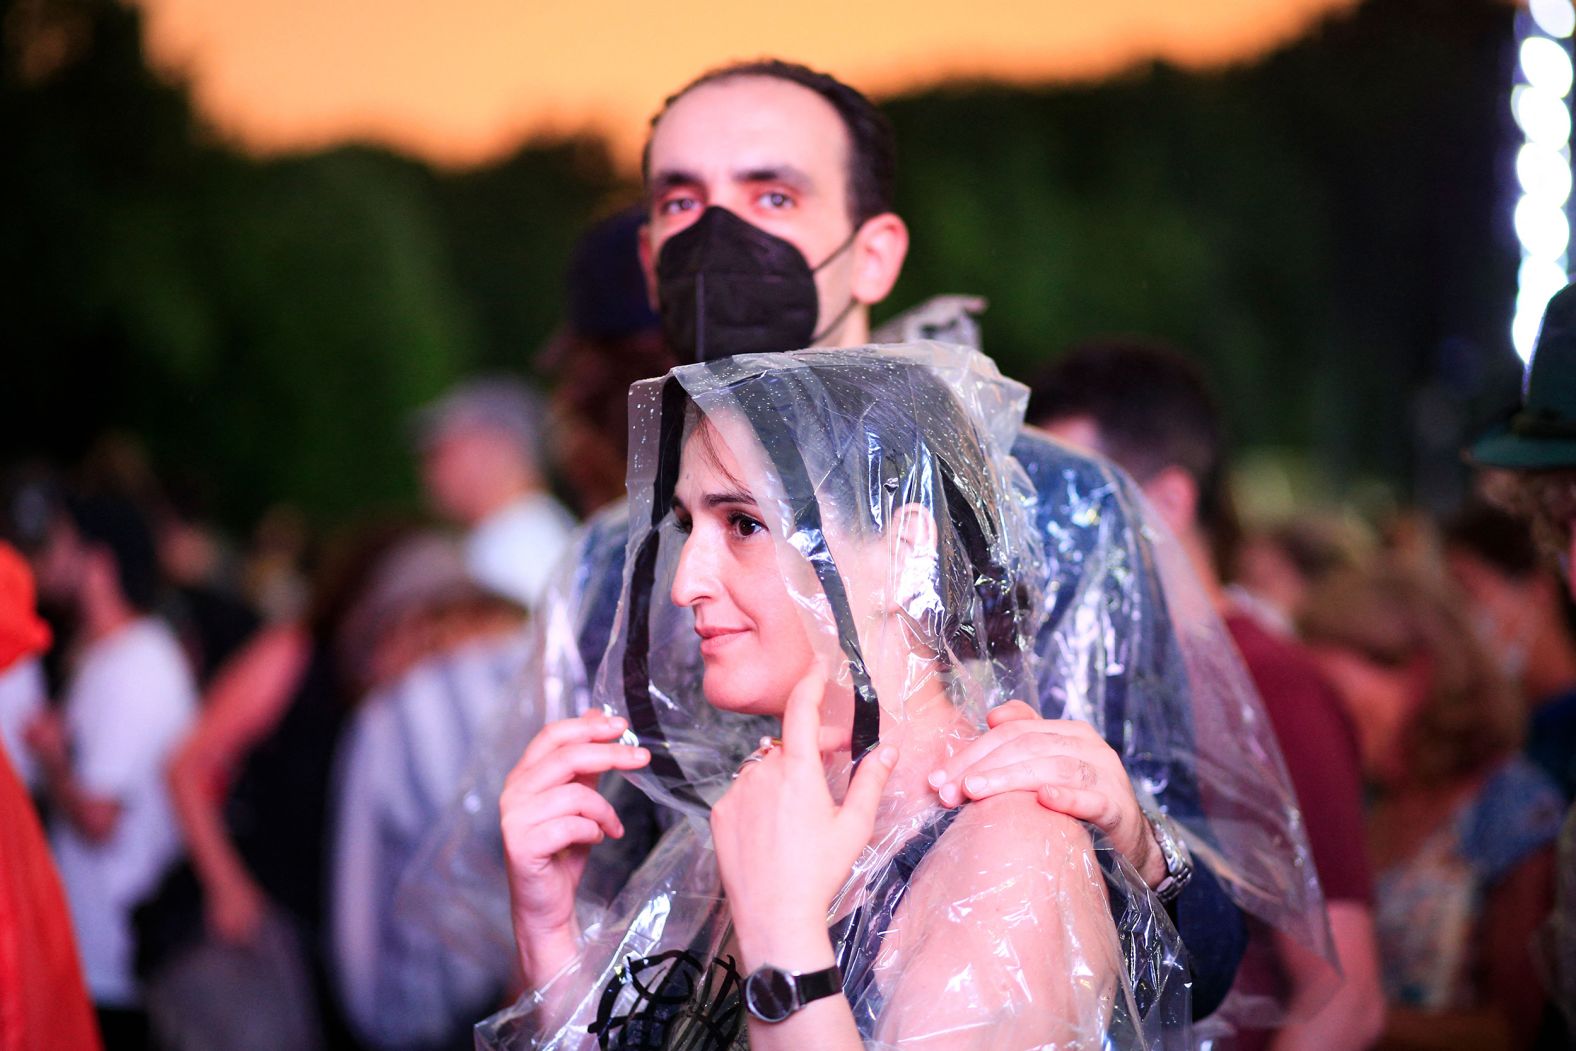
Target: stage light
(1544,173)
(1546,65)
(1542,115)
(1540,103)
(1557,18)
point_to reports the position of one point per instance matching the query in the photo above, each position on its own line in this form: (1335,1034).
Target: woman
(841,532)
(1461,828)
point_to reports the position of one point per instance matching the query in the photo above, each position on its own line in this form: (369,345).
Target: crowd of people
(877,700)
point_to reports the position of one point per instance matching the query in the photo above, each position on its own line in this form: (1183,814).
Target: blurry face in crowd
(753,642)
(1504,610)
(59,566)
(469,472)
(776,155)
(1381,700)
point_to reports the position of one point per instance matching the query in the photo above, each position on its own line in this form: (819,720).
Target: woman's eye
(744,525)
(776,200)
(683,525)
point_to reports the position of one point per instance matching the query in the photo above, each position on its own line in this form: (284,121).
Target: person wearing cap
(479,464)
(1533,459)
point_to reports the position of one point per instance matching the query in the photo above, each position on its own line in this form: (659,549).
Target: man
(1521,608)
(1149,410)
(771,228)
(129,700)
(770,192)
(479,464)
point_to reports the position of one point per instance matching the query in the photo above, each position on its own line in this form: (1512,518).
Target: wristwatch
(772,994)
(1178,859)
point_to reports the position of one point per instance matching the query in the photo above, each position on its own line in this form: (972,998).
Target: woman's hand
(552,815)
(785,847)
(1067,765)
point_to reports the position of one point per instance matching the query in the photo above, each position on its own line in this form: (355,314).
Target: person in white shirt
(129,698)
(479,463)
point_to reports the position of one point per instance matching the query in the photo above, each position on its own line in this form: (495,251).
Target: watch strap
(817,985)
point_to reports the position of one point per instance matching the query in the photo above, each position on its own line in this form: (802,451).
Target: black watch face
(768,993)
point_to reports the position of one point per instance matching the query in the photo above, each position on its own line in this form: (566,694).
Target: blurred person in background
(233,946)
(1150,410)
(400,765)
(129,698)
(1529,464)
(1274,568)
(480,466)
(1461,827)
(1523,612)
(43,1001)
(610,340)
(273,577)
(209,614)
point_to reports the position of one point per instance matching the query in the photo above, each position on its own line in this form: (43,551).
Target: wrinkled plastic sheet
(1121,609)
(996,925)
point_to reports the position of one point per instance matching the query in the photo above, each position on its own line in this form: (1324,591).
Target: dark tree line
(1327,228)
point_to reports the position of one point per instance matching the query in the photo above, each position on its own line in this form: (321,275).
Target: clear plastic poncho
(997,924)
(1127,641)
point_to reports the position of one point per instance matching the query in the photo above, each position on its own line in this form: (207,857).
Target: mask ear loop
(852,302)
(769,416)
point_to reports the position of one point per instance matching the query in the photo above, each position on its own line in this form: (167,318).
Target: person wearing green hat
(1536,448)
(1534,457)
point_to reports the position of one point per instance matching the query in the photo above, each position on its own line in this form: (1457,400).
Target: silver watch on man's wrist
(1173,849)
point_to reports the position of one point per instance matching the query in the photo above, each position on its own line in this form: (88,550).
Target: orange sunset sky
(460,81)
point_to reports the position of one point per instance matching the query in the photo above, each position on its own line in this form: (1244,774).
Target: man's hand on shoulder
(1069,768)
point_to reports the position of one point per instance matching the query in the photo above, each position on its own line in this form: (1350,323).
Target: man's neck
(1196,546)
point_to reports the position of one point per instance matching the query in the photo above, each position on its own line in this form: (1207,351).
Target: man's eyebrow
(783,173)
(672,177)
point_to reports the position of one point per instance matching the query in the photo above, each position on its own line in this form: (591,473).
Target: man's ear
(1174,495)
(648,264)
(879,250)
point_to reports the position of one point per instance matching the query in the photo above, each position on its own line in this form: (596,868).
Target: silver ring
(754,757)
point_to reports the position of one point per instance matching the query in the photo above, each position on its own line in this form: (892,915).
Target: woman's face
(1381,702)
(753,643)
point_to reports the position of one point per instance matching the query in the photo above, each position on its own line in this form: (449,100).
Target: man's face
(773,153)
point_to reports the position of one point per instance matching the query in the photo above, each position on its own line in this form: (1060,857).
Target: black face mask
(726,287)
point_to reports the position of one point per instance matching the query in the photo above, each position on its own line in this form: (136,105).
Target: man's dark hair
(1153,410)
(115,524)
(872,148)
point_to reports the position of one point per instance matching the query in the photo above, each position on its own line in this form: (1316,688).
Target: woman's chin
(726,695)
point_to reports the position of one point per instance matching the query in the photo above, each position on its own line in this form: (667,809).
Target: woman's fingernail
(642,755)
(949,794)
(888,756)
(937,778)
